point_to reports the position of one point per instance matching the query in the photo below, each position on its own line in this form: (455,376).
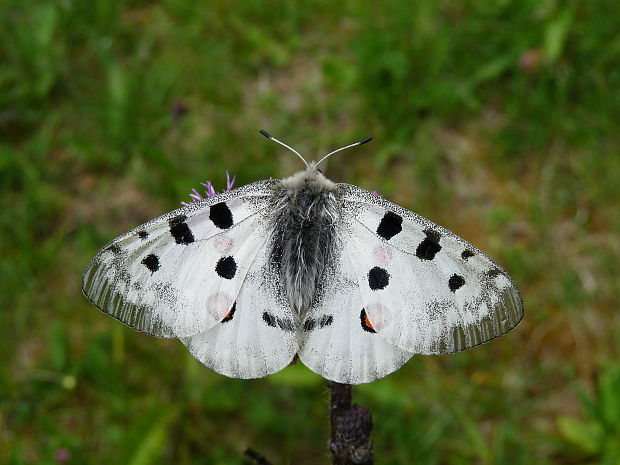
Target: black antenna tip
(266,134)
(362,142)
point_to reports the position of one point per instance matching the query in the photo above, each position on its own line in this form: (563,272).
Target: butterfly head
(311,177)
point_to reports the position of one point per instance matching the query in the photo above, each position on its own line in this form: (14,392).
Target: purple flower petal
(62,455)
(229,183)
(210,190)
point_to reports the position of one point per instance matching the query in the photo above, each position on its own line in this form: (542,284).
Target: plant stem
(257,457)
(351,426)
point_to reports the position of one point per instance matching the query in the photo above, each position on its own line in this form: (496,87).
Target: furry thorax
(307,211)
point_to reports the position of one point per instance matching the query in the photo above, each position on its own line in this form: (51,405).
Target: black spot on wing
(322,322)
(221,215)
(378,278)
(493,272)
(269,319)
(326,320)
(283,323)
(180,231)
(143,234)
(226,267)
(115,249)
(390,225)
(366,325)
(455,282)
(465,254)
(151,261)
(230,314)
(428,248)
(432,235)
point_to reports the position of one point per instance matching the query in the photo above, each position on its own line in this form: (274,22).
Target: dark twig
(351,426)
(257,457)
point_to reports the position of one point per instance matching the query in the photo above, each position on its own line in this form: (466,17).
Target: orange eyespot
(366,324)
(230,314)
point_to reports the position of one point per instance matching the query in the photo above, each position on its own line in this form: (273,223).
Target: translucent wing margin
(180,274)
(424,289)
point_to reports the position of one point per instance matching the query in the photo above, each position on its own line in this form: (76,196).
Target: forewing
(335,341)
(258,336)
(424,289)
(179,274)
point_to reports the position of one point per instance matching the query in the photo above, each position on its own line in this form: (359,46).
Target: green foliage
(496,119)
(598,435)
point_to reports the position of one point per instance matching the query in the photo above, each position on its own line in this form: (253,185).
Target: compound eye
(319,171)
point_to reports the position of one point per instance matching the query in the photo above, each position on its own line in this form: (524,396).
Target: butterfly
(350,283)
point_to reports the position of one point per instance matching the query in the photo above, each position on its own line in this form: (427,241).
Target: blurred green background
(497,119)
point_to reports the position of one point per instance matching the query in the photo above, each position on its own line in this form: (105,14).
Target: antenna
(270,137)
(368,139)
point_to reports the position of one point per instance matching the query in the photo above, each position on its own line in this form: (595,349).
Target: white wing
(258,337)
(335,343)
(180,274)
(424,289)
